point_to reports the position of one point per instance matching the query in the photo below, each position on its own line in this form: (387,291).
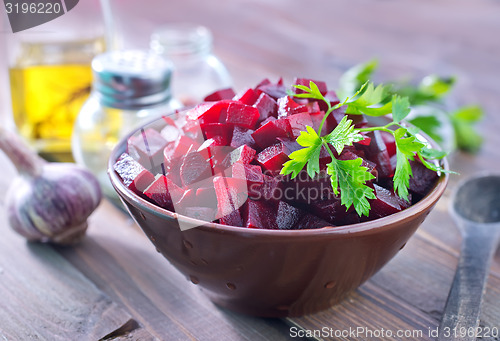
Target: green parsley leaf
(432,154)
(343,135)
(353,78)
(429,125)
(400,108)
(308,155)
(368,102)
(406,147)
(351,177)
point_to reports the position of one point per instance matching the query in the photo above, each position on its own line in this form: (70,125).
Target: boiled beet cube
(209,112)
(248,97)
(205,197)
(232,219)
(330,210)
(313,107)
(201,213)
(306,190)
(147,147)
(251,173)
(377,153)
(365,141)
(266,106)
(231,194)
(259,215)
(288,106)
(242,115)
(133,174)
(263,82)
(290,145)
(273,157)
(299,122)
(242,136)
(390,142)
(187,199)
(221,130)
(329,96)
(287,216)
(270,190)
(266,135)
(349,155)
(170,132)
(310,221)
(422,179)
(305,81)
(276,90)
(386,203)
(164,192)
(243,154)
(220,95)
(194,168)
(180,148)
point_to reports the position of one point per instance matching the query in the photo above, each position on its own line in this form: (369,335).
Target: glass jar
(129,88)
(197,71)
(50,76)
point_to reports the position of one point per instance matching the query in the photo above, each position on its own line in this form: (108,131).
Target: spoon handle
(461,313)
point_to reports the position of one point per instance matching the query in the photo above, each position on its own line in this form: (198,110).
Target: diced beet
(242,115)
(205,196)
(194,168)
(313,107)
(220,95)
(273,157)
(251,173)
(329,210)
(164,192)
(288,106)
(147,147)
(366,141)
(299,122)
(287,216)
(209,112)
(276,90)
(349,155)
(242,136)
(201,213)
(290,145)
(270,190)
(232,219)
(266,135)
(248,97)
(377,153)
(329,96)
(306,190)
(422,179)
(259,215)
(390,142)
(310,221)
(305,81)
(243,154)
(222,130)
(263,82)
(187,199)
(231,194)
(266,106)
(386,203)
(133,174)
(180,148)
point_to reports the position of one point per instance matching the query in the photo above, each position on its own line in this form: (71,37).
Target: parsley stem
(384,128)
(330,109)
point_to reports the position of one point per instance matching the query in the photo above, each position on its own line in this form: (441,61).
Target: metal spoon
(475,208)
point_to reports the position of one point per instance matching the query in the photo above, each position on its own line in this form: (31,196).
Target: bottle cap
(131,79)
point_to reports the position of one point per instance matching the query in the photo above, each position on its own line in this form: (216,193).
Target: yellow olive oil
(46,100)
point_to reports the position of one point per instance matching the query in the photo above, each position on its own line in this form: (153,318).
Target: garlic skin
(48,202)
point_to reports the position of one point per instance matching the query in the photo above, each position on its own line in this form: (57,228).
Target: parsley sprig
(349,177)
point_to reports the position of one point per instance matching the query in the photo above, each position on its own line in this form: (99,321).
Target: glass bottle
(50,76)
(129,88)
(197,71)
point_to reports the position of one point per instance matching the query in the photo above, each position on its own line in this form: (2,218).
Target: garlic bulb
(48,202)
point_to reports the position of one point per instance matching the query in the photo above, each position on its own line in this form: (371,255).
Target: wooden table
(115,284)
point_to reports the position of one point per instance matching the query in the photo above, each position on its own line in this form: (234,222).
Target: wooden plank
(124,264)
(44,297)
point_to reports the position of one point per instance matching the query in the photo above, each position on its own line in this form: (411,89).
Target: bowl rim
(426,203)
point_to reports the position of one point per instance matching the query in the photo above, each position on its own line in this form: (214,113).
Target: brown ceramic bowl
(275,273)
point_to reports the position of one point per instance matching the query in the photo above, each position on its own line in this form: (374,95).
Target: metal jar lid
(131,79)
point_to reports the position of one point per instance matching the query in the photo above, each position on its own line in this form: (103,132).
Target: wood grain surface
(116,285)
